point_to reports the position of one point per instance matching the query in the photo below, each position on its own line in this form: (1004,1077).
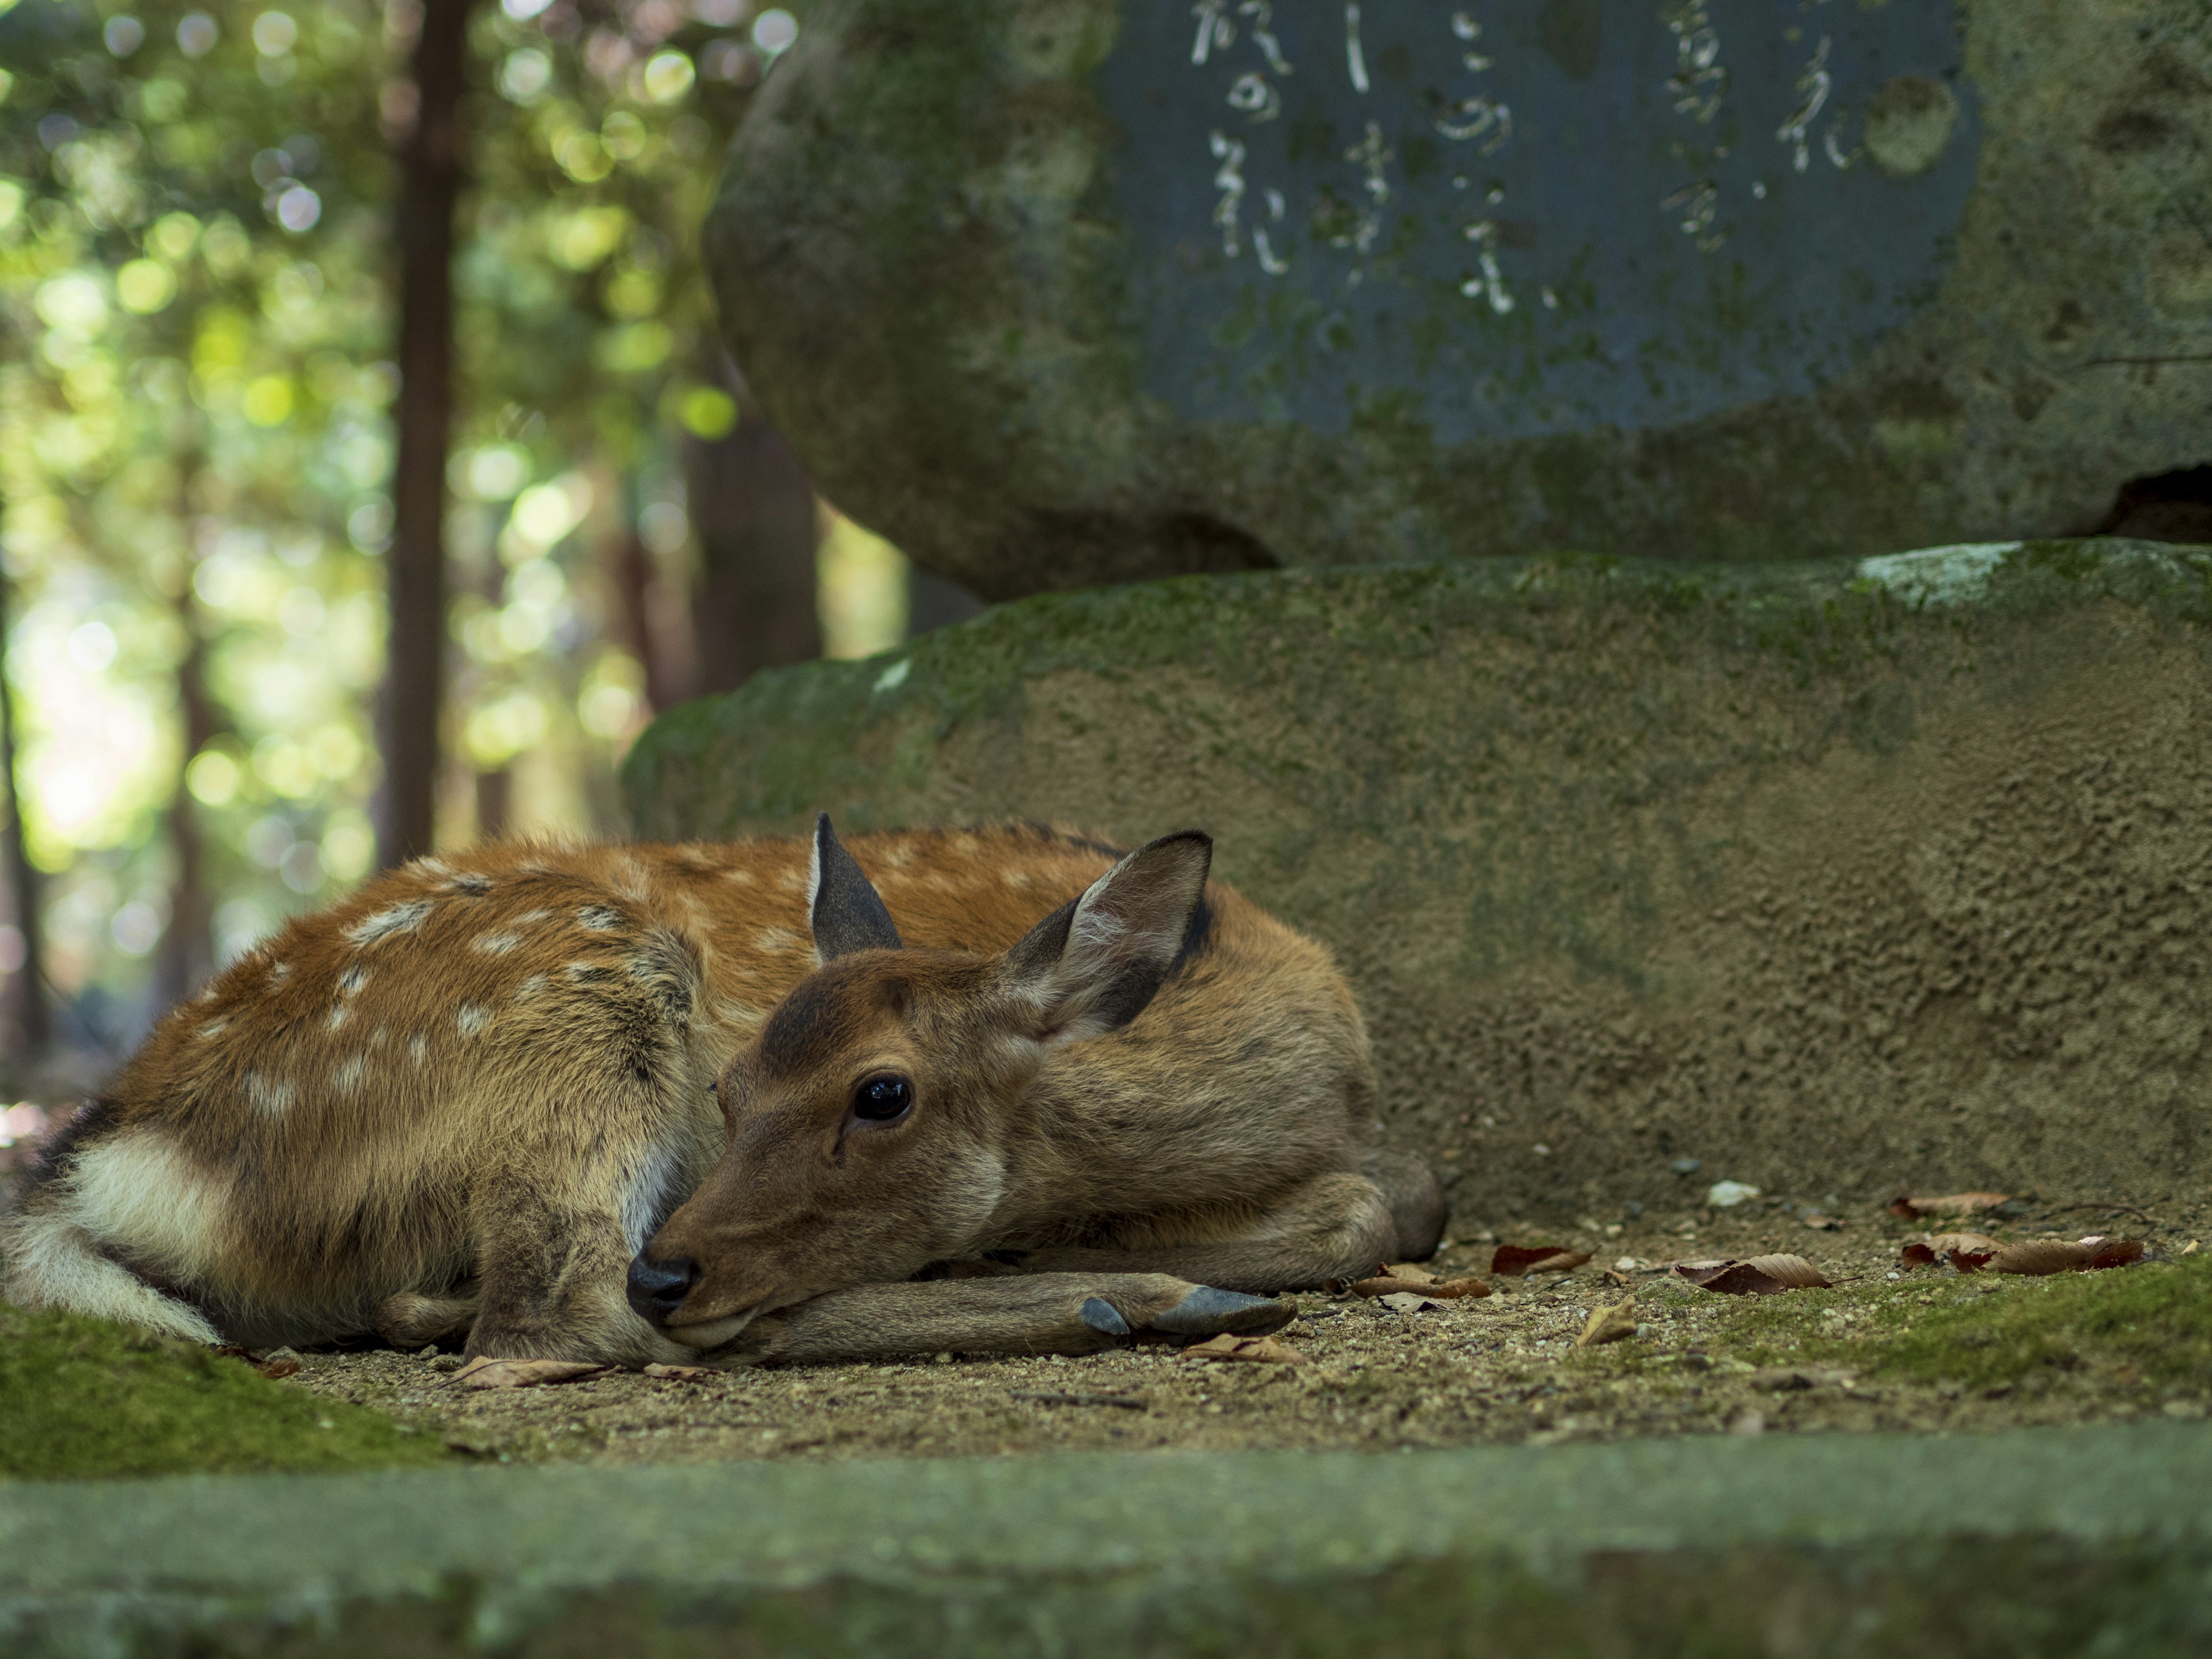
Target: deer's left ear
(847,912)
(1093,965)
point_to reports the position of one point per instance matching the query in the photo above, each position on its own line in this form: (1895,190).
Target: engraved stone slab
(1060,291)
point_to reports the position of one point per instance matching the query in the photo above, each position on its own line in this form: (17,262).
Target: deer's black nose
(657,1289)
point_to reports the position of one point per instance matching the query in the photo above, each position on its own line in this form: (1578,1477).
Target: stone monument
(1054,292)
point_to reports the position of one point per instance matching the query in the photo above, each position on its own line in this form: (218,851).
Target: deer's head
(869,1121)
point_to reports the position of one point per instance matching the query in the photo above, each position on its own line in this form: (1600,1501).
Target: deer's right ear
(847,912)
(1093,965)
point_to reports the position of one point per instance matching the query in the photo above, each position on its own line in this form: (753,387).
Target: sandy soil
(1498,1369)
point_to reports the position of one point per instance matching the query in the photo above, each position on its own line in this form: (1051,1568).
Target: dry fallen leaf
(1262,1348)
(2040,1257)
(1406,1302)
(281,1365)
(1961,1204)
(484,1372)
(681,1373)
(1763,1275)
(1519,1261)
(1822,1223)
(1412,1272)
(1967,1252)
(1612,1324)
(1394,1283)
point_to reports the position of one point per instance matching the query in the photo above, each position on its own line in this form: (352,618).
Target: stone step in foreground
(1847,877)
(2021,1545)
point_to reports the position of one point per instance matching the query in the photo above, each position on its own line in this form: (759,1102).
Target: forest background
(217,223)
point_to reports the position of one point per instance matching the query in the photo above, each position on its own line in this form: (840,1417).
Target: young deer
(628,1103)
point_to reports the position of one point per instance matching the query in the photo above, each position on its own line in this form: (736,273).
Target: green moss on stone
(82,1398)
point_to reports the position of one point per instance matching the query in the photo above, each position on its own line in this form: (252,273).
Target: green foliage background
(196,257)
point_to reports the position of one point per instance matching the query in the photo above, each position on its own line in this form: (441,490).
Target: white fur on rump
(143,1198)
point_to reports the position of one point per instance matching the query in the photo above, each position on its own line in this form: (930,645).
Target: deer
(1001,1089)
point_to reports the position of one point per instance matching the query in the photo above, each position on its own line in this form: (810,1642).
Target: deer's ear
(1092,965)
(847,912)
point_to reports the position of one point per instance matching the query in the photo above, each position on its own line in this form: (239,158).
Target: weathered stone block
(1839,877)
(2031,1545)
(1054,292)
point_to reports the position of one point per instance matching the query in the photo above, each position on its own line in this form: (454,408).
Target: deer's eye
(880,1099)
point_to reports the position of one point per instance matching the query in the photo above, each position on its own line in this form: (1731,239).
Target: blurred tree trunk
(187,956)
(754,513)
(656,623)
(22,997)
(430,184)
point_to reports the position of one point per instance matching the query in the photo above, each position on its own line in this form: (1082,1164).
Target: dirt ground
(1501,1369)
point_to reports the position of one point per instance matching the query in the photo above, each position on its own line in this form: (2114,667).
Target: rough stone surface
(1049,300)
(2020,1545)
(1840,877)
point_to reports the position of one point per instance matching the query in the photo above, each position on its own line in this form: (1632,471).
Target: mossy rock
(82,1398)
(1051,293)
(1836,876)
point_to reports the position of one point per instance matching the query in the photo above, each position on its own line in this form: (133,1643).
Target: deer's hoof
(1208,1312)
(1101,1316)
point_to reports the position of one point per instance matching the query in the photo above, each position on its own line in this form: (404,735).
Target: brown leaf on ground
(485,1372)
(1615,1324)
(1763,1275)
(1395,1283)
(1958,1204)
(1265,1349)
(2041,1256)
(681,1373)
(282,1365)
(1823,1224)
(1967,1252)
(1412,1272)
(1519,1261)
(2114,1252)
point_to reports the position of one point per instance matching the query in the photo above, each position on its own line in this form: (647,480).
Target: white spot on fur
(472,1018)
(529,917)
(795,881)
(436,869)
(279,972)
(380,1037)
(581,971)
(350,1073)
(598,918)
(530,988)
(774,940)
(418,1047)
(215,1027)
(495,944)
(475,885)
(337,1017)
(737,874)
(1014,876)
(392,920)
(353,981)
(269,1095)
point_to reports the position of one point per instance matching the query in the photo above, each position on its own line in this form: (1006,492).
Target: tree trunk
(187,954)
(27,1028)
(753,511)
(414,661)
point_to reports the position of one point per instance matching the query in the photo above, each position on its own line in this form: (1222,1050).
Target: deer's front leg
(1333,1226)
(1032,1312)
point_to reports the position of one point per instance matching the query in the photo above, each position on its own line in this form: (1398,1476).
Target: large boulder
(1055,292)
(1838,876)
